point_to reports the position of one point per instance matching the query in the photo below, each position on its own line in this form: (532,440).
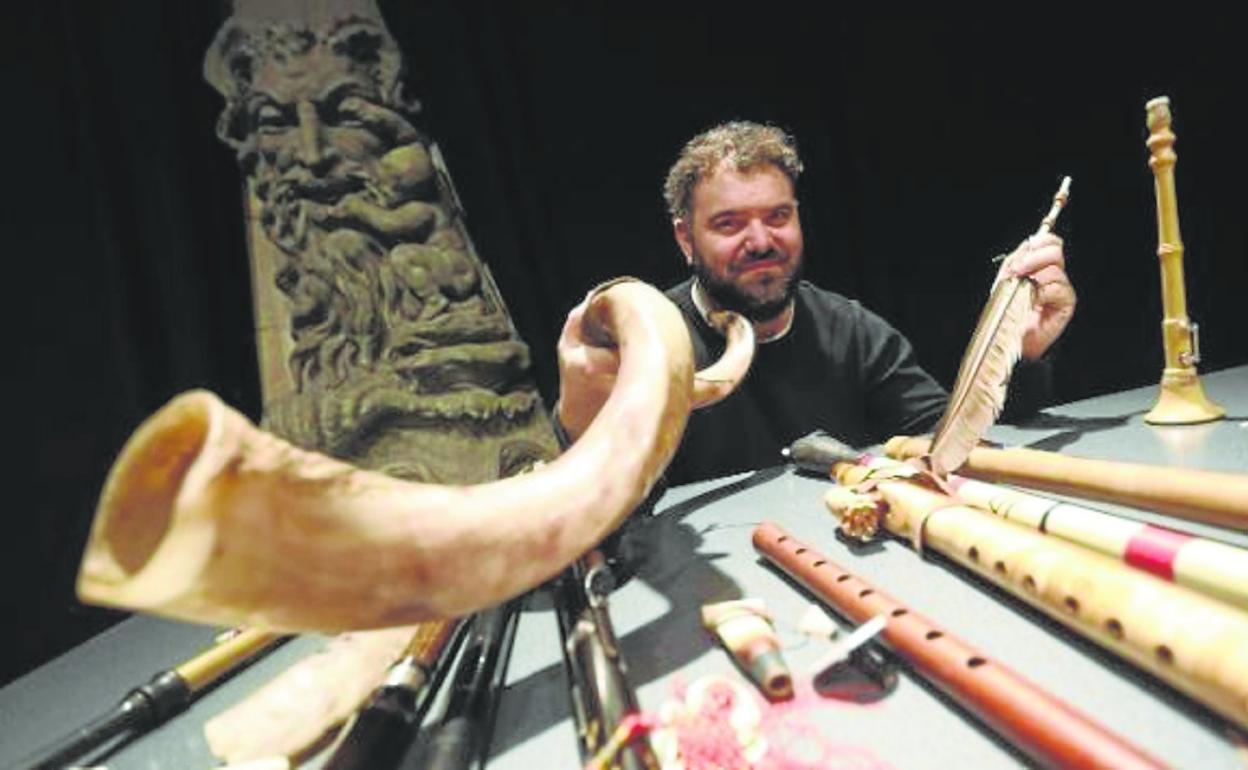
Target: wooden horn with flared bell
(206,518)
(1181,400)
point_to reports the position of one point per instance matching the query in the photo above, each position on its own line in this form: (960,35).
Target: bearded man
(823,360)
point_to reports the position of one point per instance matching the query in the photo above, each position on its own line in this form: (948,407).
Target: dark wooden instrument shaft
(390,721)
(1043,727)
(429,640)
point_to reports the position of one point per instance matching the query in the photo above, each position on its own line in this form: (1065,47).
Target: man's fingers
(1057,294)
(1034,242)
(598,361)
(1030,261)
(1049,274)
(575,354)
(572,326)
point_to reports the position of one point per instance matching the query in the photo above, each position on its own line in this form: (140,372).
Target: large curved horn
(714,383)
(206,518)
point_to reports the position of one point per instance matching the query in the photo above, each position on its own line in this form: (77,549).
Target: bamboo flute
(164,695)
(1046,729)
(1186,493)
(1196,644)
(1208,566)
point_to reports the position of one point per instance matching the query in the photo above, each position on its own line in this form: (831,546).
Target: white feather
(979,393)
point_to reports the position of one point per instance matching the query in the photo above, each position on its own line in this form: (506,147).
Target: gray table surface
(699,551)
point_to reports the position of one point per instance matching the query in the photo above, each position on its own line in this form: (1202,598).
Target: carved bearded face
(318,133)
(397,357)
(340,174)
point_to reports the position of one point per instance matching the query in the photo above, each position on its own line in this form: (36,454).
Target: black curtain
(931,144)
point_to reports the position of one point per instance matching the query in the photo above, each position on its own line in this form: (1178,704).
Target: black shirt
(840,368)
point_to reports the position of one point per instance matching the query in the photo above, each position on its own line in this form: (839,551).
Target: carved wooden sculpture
(383,339)
(385,344)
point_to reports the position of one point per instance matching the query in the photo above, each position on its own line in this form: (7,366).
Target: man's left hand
(586,375)
(1040,258)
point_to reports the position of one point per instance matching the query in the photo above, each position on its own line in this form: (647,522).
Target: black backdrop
(931,144)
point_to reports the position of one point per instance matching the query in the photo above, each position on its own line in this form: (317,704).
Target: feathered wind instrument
(979,393)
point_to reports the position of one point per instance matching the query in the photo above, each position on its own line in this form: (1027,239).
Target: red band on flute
(1154,549)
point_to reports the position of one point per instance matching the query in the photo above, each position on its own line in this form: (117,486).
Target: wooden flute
(1208,566)
(165,694)
(1196,644)
(1046,729)
(1185,493)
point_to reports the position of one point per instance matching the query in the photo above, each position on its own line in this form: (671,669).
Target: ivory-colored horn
(714,383)
(206,518)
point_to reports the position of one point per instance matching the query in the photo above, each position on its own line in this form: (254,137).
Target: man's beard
(728,296)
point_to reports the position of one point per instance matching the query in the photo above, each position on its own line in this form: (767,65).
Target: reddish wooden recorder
(1046,729)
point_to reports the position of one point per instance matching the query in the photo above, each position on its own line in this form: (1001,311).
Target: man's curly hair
(748,144)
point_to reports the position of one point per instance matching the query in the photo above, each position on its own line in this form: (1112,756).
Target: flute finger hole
(1029,583)
(899,612)
(865,593)
(819,563)
(975,662)
(1165,654)
(800,551)
(932,636)
(1072,604)
(842,578)
(973,554)
(999,567)
(1114,627)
